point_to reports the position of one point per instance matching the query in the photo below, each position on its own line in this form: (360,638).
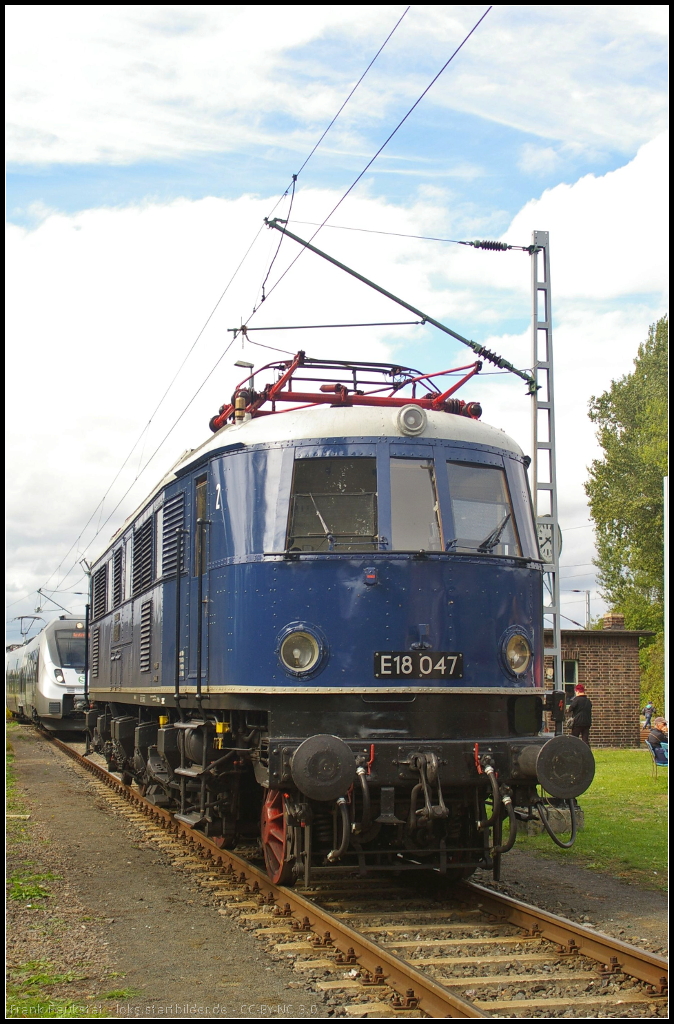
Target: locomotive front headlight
(411,420)
(518,654)
(58,675)
(300,652)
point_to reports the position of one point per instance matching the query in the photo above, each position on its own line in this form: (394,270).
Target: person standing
(580,710)
(649,710)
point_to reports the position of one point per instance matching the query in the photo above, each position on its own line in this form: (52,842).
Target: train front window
(70,648)
(333,506)
(483,515)
(415,524)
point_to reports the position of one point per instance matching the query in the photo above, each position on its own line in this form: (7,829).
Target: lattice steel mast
(544,454)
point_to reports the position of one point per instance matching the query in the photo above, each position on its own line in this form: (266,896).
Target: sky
(146,144)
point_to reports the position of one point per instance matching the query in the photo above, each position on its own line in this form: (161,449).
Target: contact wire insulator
(487,244)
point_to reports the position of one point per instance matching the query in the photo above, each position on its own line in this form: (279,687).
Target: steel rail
(615,954)
(430,997)
(433,998)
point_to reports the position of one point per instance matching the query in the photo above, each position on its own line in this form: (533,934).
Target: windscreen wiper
(330,536)
(492,539)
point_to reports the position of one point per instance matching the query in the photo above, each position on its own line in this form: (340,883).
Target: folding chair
(656,764)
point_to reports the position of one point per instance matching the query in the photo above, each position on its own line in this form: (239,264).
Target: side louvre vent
(174,519)
(95,645)
(143,555)
(145,636)
(100,591)
(117,578)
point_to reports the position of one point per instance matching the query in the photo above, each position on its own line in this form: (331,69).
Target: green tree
(625,491)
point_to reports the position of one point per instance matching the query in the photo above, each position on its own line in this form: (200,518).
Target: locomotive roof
(323,422)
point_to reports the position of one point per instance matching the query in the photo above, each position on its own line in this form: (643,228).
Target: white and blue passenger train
(324,629)
(45,676)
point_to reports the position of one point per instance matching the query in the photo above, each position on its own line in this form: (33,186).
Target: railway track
(376,948)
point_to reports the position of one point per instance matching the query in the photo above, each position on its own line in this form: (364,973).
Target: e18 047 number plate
(418,665)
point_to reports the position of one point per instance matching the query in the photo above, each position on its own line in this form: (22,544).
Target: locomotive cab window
(482,511)
(333,506)
(415,522)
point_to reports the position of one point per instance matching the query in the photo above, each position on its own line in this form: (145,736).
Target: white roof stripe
(323,421)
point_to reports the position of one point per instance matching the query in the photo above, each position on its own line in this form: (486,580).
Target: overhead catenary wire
(287,352)
(353,90)
(382,147)
(294,179)
(280,243)
(313,327)
(145,428)
(166,436)
(477,244)
(568,619)
(295,176)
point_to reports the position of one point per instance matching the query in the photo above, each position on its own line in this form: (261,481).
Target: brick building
(607,662)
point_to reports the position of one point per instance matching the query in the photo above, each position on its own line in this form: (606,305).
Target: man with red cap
(580,710)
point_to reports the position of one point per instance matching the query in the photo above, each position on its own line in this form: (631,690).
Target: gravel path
(120,907)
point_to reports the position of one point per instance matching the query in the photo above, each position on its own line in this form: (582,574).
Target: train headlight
(517,653)
(300,652)
(411,420)
(58,675)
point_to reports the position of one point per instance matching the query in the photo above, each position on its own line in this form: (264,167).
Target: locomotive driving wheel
(274,831)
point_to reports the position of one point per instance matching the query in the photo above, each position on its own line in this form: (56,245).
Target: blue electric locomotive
(324,629)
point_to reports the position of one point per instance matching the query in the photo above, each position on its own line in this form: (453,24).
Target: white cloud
(104,304)
(116,84)
(607,234)
(537,160)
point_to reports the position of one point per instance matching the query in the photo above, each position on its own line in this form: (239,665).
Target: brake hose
(543,815)
(341,850)
(508,804)
(367,813)
(496,797)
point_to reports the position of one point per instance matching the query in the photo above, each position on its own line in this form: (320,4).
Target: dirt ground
(147,931)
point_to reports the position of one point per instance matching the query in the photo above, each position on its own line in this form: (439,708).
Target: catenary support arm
(483,352)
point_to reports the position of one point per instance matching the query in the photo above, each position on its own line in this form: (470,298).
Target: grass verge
(625,832)
(30,993)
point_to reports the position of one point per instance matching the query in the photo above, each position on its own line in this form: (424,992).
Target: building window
(570,678)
